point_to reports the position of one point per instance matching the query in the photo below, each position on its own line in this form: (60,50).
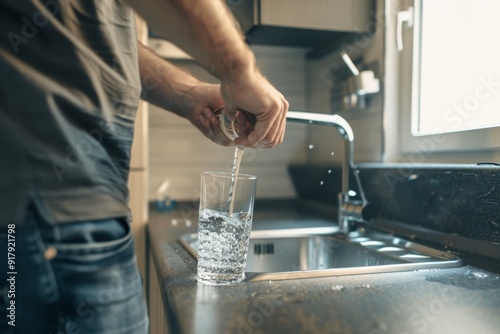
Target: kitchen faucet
(348,210)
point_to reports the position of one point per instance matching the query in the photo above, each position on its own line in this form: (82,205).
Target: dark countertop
(459,300)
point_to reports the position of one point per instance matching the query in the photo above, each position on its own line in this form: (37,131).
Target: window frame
(411,141)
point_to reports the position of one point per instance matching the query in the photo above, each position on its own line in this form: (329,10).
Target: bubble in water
(321,183)
(333,153)
(222,245)
(311,146)
(329,171)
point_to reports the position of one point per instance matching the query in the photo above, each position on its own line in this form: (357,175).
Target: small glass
(224,229)
(239,124)
(229,127)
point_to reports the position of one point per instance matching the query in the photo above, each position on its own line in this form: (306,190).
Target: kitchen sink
(278,254)
(302,248)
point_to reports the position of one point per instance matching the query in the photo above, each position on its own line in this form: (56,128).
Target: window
(457,66)
(455,74)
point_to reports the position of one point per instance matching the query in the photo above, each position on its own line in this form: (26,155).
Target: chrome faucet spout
(349,210)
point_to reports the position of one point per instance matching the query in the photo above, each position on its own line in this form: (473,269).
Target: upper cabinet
(299,23)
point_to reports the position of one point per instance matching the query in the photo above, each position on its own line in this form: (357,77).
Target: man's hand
(255,96)
(199,111)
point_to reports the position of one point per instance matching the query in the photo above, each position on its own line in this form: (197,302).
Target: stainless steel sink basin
(320,252)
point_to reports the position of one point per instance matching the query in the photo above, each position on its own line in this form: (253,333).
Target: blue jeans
(72,278)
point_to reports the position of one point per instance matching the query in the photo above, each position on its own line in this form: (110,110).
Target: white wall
(367,124)
(179,153)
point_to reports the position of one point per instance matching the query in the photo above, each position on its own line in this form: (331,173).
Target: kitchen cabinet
(301,23)
(157,315)
(139,159)
(138,176)
(138,203)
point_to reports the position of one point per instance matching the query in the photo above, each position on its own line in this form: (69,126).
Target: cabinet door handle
(402,17)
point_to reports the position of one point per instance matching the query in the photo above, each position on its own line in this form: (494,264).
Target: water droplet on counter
(311,146)
(412,177)
(174,222)
(333,153)
(188,223)
(380,325)
(477,274)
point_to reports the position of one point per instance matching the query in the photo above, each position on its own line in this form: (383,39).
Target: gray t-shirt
(69,90)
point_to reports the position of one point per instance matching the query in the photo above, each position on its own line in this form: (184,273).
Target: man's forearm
(163,84)
(207,31)
(203,28)
(172,88)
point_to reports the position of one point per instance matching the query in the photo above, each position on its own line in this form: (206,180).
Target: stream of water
(238,154)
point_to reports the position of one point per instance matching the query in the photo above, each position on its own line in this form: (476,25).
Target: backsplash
(179,153)
(458,199)
(454,206)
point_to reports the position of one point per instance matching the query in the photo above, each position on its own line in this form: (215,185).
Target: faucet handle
(355,211)
(359,211)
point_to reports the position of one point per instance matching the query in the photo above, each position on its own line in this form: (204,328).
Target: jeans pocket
(100,283)
(92,240)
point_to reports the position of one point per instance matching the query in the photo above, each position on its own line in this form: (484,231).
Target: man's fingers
(283,120)
(209,125)
(260,136)
(274,135)
(208,113)
(263,102)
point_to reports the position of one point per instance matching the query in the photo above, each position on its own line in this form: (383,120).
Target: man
(70,81)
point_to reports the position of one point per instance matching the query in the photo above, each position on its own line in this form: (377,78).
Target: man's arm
(170,87)
(204,29)
(174,89)
(207,31)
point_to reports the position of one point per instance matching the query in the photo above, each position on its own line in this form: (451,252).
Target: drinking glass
(224,225)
